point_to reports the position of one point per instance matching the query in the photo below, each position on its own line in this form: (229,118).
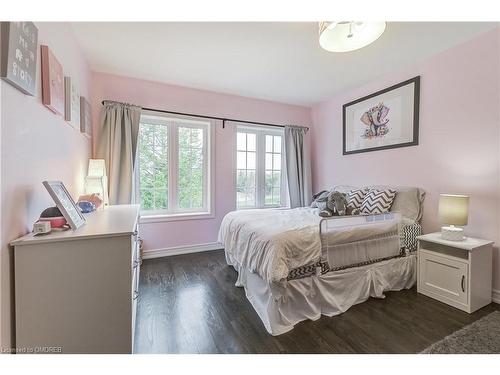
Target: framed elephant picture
(385,119)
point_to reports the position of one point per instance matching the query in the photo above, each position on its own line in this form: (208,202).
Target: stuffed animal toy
(316,197)
(334,204)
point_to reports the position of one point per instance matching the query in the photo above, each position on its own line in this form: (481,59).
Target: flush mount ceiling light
(347,36)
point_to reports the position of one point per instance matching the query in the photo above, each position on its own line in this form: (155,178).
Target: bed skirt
(281,306)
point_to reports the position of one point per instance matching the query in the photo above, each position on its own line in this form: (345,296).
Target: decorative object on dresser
(382,120)
(96,181)
(455,272)
(453,210)
(52,82)
(65,203)
(71,103)
(85,117)
(18,55)
(54,218)
(77,290)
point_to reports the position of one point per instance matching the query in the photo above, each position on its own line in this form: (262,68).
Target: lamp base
(452,233)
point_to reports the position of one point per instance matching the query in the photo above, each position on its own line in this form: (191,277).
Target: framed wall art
(72,102)
(385,119)
(85,117)
(18,55)
(65,203)
(52,82)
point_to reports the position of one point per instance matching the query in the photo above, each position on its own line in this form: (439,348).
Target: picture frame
(386,119)
(65,203)
(52,82)
(18,55)
(71,102)
(85,117)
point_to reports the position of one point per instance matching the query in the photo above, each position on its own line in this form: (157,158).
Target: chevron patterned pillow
(355,198)
(378,201)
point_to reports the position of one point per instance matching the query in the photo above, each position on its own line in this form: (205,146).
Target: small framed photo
(385,119)
(65,203)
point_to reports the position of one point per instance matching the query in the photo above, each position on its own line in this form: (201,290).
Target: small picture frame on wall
(72,103)
(52,82)
(385,119)
(65,203)
(18,55)
(85,117)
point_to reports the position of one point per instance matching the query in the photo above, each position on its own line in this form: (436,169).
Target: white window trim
(175,214)
(260,173)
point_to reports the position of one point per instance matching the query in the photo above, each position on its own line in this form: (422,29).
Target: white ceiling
(275,61)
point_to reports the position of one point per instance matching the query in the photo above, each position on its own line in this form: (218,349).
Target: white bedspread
(271,242)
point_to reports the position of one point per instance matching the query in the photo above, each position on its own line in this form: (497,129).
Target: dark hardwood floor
(189,304)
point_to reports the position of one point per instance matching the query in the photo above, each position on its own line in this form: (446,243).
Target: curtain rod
(223,119)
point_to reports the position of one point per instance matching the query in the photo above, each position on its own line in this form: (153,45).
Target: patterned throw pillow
(378,201)
(355,198)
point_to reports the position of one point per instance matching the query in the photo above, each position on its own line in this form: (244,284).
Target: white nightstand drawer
(443,277)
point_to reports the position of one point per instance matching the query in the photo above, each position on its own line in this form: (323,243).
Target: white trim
(145,219)
(495,296)
(178,250)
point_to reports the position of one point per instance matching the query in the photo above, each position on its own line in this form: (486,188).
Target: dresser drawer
(443,277)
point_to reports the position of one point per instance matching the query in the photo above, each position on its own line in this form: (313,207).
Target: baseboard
(178,250)
(495,296)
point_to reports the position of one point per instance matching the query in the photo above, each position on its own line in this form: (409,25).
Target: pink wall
(175,98)
(459,137)
(36,145)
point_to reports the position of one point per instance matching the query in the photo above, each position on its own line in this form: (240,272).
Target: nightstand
(455,272)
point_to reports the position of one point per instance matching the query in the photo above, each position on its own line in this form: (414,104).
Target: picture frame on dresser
(65,203)
(383,120)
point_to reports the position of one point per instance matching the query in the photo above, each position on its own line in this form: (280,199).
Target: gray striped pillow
(355,198)
(378,201)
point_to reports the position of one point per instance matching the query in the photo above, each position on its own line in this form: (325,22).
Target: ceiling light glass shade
(347,36)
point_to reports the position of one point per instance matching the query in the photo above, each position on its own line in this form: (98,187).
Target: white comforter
(271,242)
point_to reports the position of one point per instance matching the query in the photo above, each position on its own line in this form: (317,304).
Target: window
(173,166)
(259,161)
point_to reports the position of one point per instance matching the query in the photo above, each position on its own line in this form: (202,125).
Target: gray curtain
(117,145)
(298,166)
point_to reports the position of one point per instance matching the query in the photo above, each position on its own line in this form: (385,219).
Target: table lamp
(453,210)
(96,181)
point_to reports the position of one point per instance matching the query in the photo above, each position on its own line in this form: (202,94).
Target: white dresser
(76,291)
(455,272)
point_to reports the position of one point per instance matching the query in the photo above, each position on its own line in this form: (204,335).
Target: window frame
(260,166)
(173,212)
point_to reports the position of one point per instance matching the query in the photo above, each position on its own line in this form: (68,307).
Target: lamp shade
(453,209)
(97,168)
(344,36)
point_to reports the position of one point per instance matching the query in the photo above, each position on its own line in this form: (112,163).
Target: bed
(296,265)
